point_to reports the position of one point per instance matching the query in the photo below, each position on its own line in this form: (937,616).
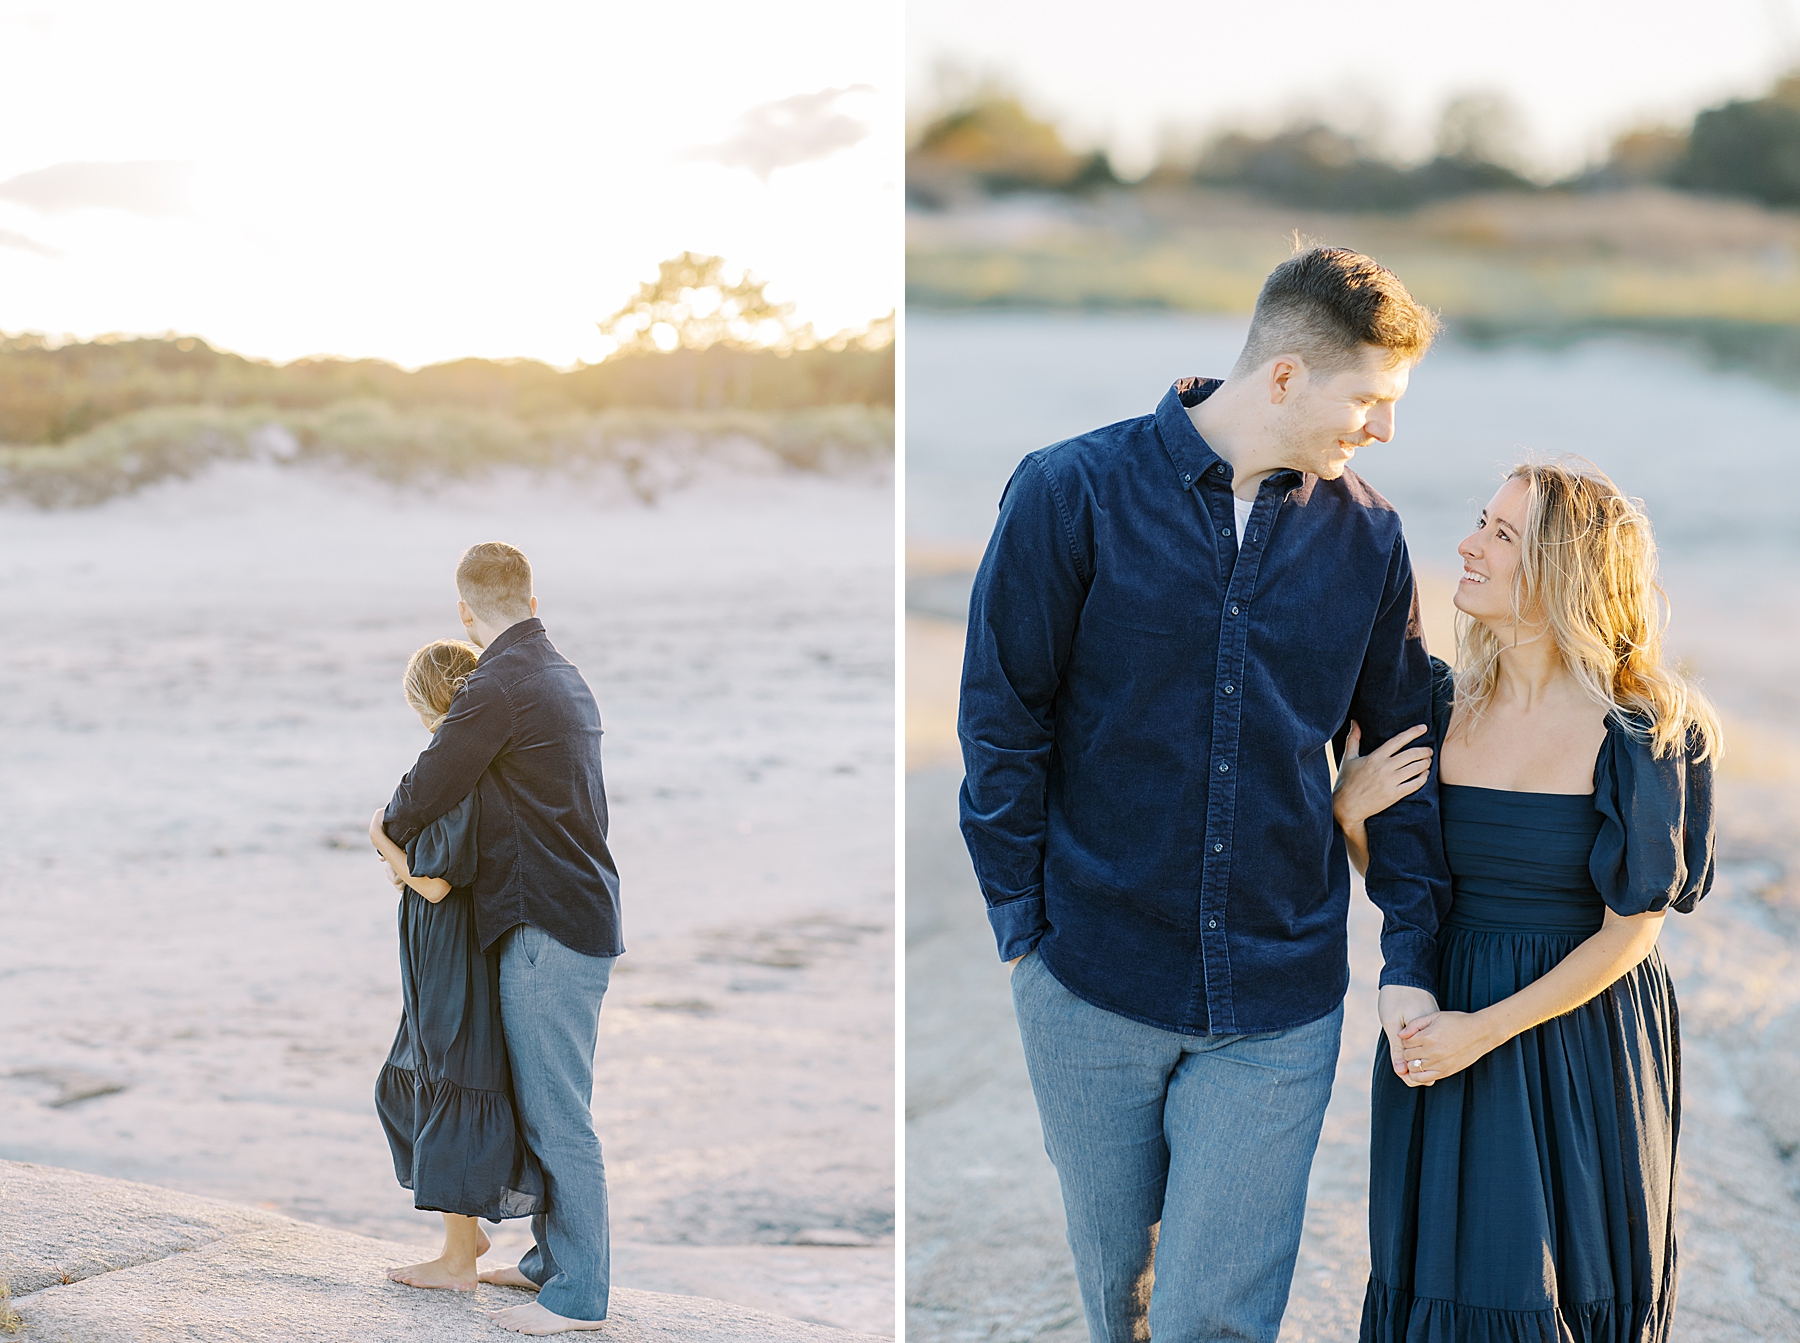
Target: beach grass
(10,1323)
(1721,277)
(435,444)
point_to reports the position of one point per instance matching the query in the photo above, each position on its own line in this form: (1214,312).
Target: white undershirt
(1242,508)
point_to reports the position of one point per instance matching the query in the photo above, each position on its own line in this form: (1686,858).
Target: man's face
(1328,416)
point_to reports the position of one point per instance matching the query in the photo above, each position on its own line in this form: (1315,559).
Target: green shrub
(436,443)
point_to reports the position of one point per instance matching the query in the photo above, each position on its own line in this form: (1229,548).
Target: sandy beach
(198,979)
(986,1259)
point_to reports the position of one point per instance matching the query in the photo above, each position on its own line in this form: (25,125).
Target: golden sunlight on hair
(495,580)
(1588,568)
(1325,304)
(433,676)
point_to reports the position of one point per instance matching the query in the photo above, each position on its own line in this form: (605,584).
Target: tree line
(674,351)
(985,142)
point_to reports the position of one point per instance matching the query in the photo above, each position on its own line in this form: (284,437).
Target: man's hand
(1399,1005)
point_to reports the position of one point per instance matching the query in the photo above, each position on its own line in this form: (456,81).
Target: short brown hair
(495,580)
(1325,303)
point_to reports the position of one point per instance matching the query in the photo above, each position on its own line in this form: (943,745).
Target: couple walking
(509,926)
(1180,621)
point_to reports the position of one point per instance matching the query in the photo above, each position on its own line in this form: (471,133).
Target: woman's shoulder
(1631,739)
(1655,846)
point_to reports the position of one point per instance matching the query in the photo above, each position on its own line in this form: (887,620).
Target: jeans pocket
(531,943)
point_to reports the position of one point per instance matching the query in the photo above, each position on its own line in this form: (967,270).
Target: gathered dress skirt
(1531,1197)
(445,1094)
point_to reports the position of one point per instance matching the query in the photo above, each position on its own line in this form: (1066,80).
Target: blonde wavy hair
(1588,565)
(433,676)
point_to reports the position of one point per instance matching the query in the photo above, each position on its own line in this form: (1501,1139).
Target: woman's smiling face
(1491,556)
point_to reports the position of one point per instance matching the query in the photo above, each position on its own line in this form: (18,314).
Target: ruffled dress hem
(1393,1316)
(447,1138)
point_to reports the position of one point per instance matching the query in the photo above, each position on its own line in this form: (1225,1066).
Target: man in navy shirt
(1175,617)
(524,732)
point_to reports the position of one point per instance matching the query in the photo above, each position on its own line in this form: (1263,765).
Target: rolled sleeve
(1017,925)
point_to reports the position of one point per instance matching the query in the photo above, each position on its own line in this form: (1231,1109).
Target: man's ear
(534,606)
(1284,378)
(463,613)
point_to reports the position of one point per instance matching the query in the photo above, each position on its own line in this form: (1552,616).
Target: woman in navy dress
(445,1094)
(1522,1153)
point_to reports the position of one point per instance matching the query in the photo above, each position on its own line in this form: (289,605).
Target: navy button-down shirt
(1147,707)
(524,734)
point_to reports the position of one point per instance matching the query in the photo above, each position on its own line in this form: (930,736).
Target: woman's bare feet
(454,1269)
(440,1272)
(509,1277)
(537,1319)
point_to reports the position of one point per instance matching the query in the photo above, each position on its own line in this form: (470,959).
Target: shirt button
(1218,848)
(1187,480)
(1212,923)
(1228,690)
(1234,608)
(1220,468)
(1224,531)
(1224,768)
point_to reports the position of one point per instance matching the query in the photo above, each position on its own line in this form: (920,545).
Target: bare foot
(482,1243)
(509,1277)
(438,1272)
(536,1319)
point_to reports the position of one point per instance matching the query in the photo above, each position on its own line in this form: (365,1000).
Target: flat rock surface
(107,1261)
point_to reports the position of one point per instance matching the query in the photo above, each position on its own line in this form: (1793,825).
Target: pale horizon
(1155,72)
(355,183)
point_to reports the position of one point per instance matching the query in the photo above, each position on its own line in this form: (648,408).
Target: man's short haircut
(1325,303)
(495,580)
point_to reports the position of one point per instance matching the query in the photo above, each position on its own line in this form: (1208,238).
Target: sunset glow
(422,184)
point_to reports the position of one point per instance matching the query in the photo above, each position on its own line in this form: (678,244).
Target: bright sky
(1578,70)
(424,181)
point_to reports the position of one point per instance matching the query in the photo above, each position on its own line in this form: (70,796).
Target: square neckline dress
(1532,1195)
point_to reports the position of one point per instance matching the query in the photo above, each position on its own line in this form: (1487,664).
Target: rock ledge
(94,1260)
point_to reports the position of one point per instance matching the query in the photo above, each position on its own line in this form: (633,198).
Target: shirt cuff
(1018,924)
(1410,959)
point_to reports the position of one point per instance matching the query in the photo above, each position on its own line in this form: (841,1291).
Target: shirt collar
(1191,454)
(509,636)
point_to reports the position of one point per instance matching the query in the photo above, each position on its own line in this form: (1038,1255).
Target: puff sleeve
(1655,847)
(446,847)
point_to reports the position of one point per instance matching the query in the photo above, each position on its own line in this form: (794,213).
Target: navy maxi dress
(1532,1195)
(445,1094)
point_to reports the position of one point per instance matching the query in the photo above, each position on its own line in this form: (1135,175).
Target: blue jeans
(550,1014)
(1183,1161)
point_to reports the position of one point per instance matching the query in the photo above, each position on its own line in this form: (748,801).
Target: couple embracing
(509,927)
(1184,626)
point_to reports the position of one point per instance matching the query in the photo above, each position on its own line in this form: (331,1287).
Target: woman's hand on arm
(433,889)
(1370,783)
(1445,1043)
